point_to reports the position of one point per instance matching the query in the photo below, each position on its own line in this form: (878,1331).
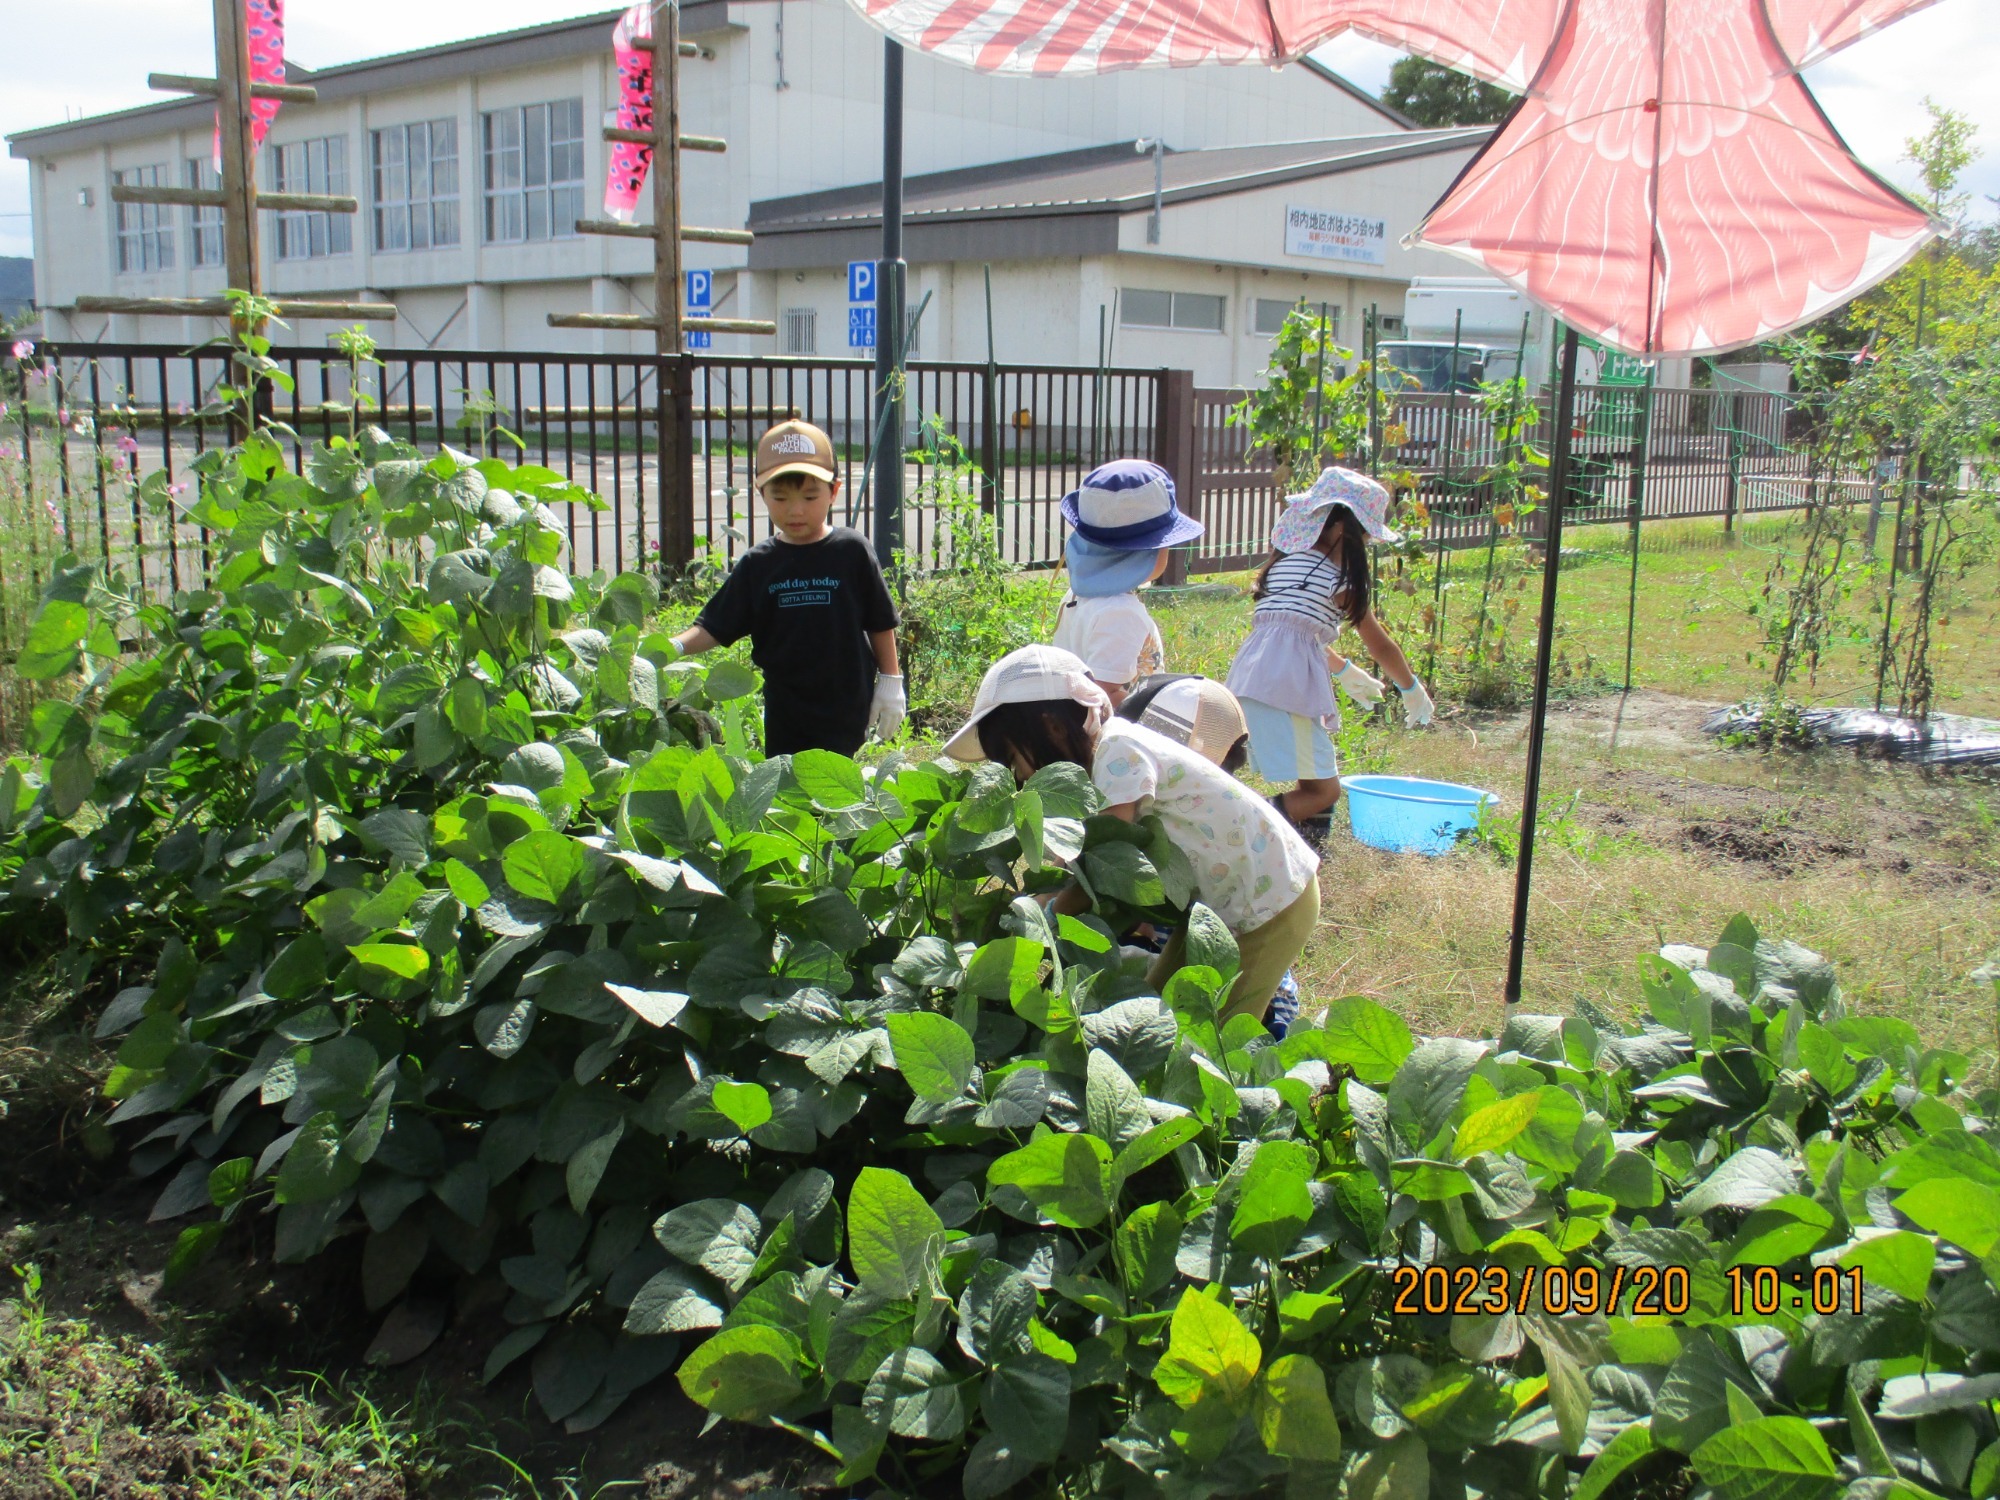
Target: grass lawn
(1652,831)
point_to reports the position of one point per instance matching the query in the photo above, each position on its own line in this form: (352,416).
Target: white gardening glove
(1417,705)
(887,708)
(1366,691)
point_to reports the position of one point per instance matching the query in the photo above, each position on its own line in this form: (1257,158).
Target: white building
(472,161)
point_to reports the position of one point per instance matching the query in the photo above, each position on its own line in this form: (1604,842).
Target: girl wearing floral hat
(1040,705)
(1315,582)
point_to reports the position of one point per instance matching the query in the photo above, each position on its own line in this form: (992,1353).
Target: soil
(1789,811)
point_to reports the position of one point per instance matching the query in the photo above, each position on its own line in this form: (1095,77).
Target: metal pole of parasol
(891,335)
(1636,507)
(1531,795)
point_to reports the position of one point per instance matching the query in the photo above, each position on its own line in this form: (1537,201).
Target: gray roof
(1068,203)
(1101,179)
(498,52)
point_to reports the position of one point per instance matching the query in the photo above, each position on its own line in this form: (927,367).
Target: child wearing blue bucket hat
(1124,522)
(1315,582)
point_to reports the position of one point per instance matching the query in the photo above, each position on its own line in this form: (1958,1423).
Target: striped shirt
(1304,583)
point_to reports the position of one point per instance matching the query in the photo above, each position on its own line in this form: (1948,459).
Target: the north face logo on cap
(794,442)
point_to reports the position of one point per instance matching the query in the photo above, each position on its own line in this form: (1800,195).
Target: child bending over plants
(1039,705)
(1316,581)
(1203,715)
(812,599)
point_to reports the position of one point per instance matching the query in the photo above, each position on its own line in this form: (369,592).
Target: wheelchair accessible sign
(861,304)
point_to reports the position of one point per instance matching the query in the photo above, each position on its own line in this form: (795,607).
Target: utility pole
(890,331)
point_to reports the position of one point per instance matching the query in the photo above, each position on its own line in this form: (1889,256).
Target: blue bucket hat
(1128,504)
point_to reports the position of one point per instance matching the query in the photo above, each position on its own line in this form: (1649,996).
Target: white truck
(1485,316)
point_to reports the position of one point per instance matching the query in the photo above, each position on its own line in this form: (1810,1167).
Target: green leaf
(744,1105)
(1122,872)
(583,1171)
(1210,942)
(1294,1417)
(1427,1087)
(314,1169)
(55,640)
(465,884)
(1008,968)
(1064,1177)
(1025,1401)
(543,865)
(1781,1231)
(1773,1458)
(1494,1126)
(719,1235)
(399,832)
(744,1373)
(1210,1354)
(1961,1211)
(655,1007)
(1902,1262)
(1274,1205)
(1369,1038)
(1751,1178)
(1157,1143)
(933,1053)
(1145,1246)
(832,781)
(1113,1106)
(1618,1455)
(894,1237)
(913,1395)
(673,1301)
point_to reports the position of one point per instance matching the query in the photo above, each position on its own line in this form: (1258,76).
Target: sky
(1873,91)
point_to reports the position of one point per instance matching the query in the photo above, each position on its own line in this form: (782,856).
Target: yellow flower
(1395,434)
(1503,515)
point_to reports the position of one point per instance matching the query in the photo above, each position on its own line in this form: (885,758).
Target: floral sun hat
(1298,529)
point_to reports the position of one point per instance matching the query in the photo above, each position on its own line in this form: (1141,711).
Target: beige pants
(1263,953)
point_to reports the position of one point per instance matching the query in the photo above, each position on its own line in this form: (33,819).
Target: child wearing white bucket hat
(1125,522)
(1315,582)
(1040,705)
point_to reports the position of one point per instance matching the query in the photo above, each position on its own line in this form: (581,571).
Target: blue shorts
(1287,746)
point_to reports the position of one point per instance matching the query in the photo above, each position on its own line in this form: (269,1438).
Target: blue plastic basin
(1408,815)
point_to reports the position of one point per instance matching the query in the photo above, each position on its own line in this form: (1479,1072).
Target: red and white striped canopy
(1667,183)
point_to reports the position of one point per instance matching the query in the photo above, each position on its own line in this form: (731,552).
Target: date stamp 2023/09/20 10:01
(1634,1291)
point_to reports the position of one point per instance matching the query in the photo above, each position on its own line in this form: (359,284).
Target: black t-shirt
(808,610)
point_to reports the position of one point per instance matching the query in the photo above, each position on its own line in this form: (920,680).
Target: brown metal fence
(114,412)
(1640,455)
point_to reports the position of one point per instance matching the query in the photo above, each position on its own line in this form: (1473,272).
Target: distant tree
(1434,95)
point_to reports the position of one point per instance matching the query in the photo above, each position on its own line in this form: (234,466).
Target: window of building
(1268,314)
(416,185)
(801,330)
(1389,326)
(1195,311)
(534,171)
(145,234)
(315,166)
(204,223)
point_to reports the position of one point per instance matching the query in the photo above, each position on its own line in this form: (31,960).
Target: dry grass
(1890,873)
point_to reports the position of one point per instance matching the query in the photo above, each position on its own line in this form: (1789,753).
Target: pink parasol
(1666,183)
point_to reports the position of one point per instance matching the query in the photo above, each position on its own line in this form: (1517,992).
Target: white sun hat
(1034,674)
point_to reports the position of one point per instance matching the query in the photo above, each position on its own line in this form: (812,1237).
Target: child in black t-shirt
(812,599)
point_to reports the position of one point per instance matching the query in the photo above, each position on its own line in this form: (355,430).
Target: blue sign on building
(861,328)
(700,299)
(861,281)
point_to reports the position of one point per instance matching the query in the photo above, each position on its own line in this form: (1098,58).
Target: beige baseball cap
(1200,713)
(794,448)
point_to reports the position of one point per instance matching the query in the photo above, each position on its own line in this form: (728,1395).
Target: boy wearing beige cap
(813,601)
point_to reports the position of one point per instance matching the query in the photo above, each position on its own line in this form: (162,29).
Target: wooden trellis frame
(238,197)
(667,322)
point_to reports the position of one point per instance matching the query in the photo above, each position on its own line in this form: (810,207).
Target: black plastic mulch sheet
(1944,740)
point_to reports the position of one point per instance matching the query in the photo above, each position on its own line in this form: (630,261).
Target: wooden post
(1174,451)
(676,376)
(667,176)
(239,172)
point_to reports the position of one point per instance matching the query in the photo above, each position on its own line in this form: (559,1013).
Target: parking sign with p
(860,281)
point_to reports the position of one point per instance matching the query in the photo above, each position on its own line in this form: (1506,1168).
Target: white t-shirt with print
(1114,636)
(1249,865)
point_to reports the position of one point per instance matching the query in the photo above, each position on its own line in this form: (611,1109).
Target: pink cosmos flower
(127,444)
(7,452)
(24,348)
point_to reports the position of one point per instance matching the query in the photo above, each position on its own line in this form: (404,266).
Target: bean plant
(429,903)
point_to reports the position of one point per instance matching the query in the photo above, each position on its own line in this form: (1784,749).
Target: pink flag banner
(267,65)
(626,174)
